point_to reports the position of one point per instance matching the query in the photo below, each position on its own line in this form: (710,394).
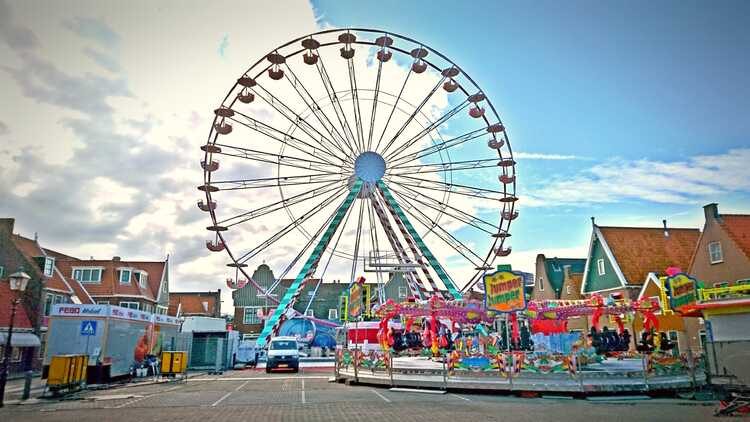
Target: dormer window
(141,277)
(49,266)
(87,275)
(125,276)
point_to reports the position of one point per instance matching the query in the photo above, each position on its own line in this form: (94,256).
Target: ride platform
(609,376)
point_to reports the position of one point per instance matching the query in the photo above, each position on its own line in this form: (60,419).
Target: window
(102,302)
(541,284)
(402,292)
(721,284)
(600,266)
(49,266)
(48,300)
(15,353)
(333,313)
(703,339)
(88,275)
(130,305)
(567,289)
(742,282)
(310,313)
(714,253)
(141,277)
(251,315)
(555,267)
(125,276)
(161,310)
(2,271)
(674,339)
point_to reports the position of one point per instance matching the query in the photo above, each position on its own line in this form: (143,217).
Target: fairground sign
(355,300)
(504,291)
(682,290)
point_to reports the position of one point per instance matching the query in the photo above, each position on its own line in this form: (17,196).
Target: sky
(630,112)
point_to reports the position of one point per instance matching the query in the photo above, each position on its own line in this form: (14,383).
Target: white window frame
(711,253)
(541,284)
(600,268)
(253,312)
(102,302)
(403,293)
(49,300)
(49,266)
(141,277)
(333,313)
(568,290)
(92,270)
(310,313)
(127,304)
(121,272)
(161,310)
(555,267)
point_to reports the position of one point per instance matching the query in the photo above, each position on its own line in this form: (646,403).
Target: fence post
(445,373)
(390,366)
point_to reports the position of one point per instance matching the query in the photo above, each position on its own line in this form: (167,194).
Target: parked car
(283,352)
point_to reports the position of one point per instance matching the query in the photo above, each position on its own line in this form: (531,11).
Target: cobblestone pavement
(308,396)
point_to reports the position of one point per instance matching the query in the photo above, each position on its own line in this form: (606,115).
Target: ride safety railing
(723,293)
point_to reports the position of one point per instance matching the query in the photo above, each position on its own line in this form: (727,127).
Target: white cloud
(690,181)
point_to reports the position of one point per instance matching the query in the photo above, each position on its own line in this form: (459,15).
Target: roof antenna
(666,232)
(593,222)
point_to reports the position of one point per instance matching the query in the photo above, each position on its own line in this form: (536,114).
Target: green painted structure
(595,282)
(555,268)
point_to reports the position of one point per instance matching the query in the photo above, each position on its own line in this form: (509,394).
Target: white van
(283,352)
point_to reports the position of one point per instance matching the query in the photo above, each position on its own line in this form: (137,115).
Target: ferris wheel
(359,150)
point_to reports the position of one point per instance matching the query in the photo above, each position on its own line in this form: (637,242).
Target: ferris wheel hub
(369,167)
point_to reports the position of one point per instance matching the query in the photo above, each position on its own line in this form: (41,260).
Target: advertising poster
(681,290)
(504,291)
(355,300)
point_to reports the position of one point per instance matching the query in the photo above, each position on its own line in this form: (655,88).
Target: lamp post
(18,282)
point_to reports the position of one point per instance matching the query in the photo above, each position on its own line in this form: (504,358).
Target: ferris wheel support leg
(418,240)
(291,294)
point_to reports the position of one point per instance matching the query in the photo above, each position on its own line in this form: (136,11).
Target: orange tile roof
(639,251)
(30,249)
(191,303)
(737,227)
(110,284)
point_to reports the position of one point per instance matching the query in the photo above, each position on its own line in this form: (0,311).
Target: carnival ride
(383,155)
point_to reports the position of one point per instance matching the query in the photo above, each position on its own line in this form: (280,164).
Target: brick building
(206,304)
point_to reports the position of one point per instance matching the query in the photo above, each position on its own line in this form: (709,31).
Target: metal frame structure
(307,113)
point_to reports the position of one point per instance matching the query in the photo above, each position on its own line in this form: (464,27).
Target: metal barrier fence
(728,363)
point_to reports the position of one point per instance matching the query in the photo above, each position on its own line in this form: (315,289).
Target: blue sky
(624,85)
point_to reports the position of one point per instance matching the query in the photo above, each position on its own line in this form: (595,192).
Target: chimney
(666,232)
(593,221)
(36,237)
(116,258)
(6,225)
(711,211)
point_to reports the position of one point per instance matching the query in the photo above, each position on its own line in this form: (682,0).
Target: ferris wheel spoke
(412,116)
(441,186)
(355,105)
(268,157)
(294,118)
(355,255)
(280,136)
(374,105)
(338,110)
(270,182)
(318,112)
(442,207)
(278,205)
(435,148)
(440,232)
(291,226)
(432,126)
(393,110)
(443,167)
